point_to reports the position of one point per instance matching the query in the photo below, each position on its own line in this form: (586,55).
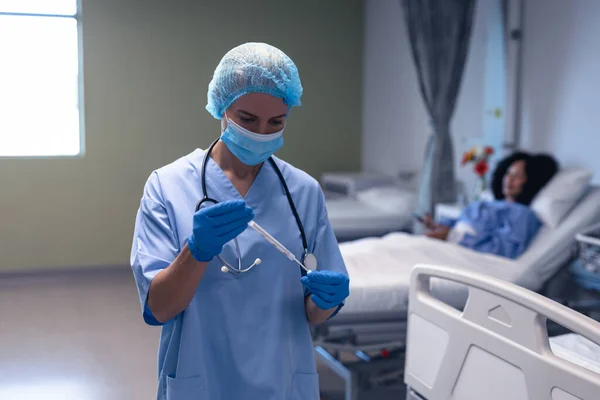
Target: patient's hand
(438,232)
(433,230)
(429,222)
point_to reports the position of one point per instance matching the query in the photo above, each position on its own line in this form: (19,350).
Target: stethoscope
(308,259)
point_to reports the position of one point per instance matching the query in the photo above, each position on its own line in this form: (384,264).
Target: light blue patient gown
(502,228)
(245,336)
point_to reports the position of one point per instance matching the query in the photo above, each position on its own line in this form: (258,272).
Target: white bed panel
(433,342)
(490,354)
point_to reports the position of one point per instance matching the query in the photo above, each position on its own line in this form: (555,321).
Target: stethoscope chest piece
(310,262)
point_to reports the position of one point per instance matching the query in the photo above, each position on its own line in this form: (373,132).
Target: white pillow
(390,198)
(560,195)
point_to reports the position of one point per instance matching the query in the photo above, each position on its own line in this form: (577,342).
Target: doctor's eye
(246,120)
(276,123)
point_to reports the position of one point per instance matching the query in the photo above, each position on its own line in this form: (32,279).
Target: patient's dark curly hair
(539,168)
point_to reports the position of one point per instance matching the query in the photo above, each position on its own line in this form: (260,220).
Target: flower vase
(480,187)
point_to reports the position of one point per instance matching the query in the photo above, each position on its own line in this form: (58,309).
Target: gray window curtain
(439,32)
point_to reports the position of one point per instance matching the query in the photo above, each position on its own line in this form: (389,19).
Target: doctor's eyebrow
(246,113)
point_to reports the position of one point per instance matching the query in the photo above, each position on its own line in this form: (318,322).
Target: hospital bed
(364,205)
(498,347)
(364,344)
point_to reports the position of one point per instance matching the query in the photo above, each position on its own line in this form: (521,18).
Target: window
(495,78)
(40,96)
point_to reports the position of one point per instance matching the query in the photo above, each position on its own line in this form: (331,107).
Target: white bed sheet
(578,350)
(380,268)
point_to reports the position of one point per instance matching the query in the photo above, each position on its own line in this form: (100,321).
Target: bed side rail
(497,348)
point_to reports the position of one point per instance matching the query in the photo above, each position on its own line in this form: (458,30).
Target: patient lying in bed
(505,226)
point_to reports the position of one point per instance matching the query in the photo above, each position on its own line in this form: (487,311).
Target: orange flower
(465,159)
(468,156)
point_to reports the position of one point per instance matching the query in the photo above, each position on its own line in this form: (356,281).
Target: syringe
(276,244)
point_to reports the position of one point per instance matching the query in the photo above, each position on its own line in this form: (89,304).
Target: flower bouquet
(478,156)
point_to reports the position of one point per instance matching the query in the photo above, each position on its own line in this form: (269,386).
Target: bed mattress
(380,268)
(352,219)
(371,212)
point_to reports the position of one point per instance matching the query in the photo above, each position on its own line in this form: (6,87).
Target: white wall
(395,124)
(561,85)
(561,80)
(147,64)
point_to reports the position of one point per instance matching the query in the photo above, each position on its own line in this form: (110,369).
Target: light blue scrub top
(245,336)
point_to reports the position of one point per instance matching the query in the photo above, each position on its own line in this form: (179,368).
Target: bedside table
(447,210)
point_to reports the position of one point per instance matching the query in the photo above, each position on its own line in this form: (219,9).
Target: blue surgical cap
(253,67)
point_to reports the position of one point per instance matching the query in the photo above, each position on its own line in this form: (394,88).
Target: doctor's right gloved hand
(216,225)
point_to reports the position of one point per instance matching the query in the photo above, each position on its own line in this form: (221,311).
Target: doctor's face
(514,179)
(259,113)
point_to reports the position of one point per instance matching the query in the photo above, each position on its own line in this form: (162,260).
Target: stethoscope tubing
(206,199)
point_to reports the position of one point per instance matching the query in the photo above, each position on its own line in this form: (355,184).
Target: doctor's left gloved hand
(328,288)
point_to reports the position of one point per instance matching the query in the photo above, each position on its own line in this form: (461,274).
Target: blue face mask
(249,147)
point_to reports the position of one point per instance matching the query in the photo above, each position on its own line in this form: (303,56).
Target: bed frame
(497,348)
(366,352)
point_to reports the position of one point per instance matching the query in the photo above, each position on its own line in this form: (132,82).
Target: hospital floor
(79,336)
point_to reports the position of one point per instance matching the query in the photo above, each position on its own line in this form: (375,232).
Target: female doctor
(234,311)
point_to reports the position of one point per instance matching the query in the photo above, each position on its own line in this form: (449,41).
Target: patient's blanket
(578,350)
(499,227)
(380,268)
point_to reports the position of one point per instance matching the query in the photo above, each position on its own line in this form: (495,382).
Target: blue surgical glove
(329,289)
(216,225)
